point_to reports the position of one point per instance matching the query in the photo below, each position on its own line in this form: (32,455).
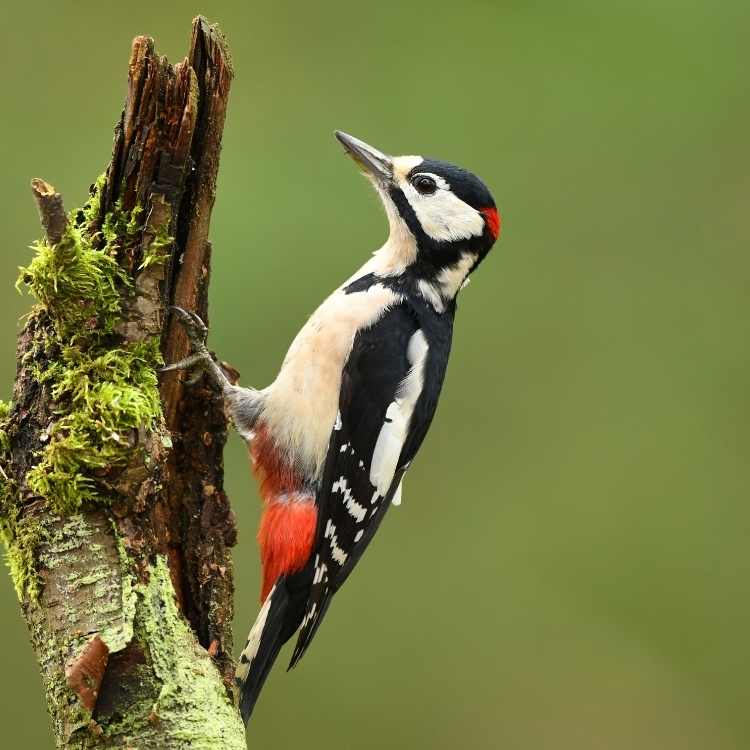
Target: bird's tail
(278,619)
(262,648)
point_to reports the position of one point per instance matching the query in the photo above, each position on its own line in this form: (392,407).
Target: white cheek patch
(443,215)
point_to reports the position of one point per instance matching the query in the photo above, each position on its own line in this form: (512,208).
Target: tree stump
(111,487)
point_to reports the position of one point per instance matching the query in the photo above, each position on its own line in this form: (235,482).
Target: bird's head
(443,219)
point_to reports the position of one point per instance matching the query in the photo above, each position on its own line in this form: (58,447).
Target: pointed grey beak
(372,161)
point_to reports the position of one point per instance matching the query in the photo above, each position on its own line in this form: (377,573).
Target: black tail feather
(310,626)
(254,667)
(277,621)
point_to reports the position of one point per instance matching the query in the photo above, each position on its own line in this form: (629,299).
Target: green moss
(78,284)
(103,390)
(102,397)
(22,540)
(157,251)
(90,212)
(20,536)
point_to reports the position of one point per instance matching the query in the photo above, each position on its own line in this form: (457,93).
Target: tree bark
(111,482)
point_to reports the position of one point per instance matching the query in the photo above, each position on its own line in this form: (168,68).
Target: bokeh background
(570,567)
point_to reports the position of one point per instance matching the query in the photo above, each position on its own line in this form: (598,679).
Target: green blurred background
(570,567)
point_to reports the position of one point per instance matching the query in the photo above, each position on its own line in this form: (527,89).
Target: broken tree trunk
(111,489)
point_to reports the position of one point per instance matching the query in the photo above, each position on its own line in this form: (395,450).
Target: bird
(331,439)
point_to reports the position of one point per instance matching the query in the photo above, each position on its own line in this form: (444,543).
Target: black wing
(350,507)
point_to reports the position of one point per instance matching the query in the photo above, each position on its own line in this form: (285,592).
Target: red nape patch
(286,536)
(492,219)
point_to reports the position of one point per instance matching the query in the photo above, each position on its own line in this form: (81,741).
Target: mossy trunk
(112,507)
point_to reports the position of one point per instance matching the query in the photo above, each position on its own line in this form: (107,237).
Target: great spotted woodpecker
(332,437)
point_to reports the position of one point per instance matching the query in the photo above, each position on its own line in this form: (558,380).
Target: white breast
(301,405)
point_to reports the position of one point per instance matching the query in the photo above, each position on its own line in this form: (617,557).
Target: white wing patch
(398,416)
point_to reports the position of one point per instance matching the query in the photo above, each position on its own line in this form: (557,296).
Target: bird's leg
(241,403)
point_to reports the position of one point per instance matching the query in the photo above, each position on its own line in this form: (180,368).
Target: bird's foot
(196,331)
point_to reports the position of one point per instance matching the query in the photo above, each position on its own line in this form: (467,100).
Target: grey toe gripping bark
(200,360)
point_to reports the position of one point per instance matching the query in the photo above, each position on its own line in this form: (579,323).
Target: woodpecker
(332,437)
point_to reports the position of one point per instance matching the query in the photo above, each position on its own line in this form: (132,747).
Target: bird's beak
(375,163)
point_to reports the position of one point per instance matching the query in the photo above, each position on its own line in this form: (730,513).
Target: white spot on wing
(320,570)
(356,511)
(337,553)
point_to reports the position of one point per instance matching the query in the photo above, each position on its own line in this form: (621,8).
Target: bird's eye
(424,184)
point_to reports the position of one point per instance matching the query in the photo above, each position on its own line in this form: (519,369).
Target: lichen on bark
(191,704)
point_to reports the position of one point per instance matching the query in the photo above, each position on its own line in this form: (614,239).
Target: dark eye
(424,184)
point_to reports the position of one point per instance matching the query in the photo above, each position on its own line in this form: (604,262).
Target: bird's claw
(195,329)
(196,332)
